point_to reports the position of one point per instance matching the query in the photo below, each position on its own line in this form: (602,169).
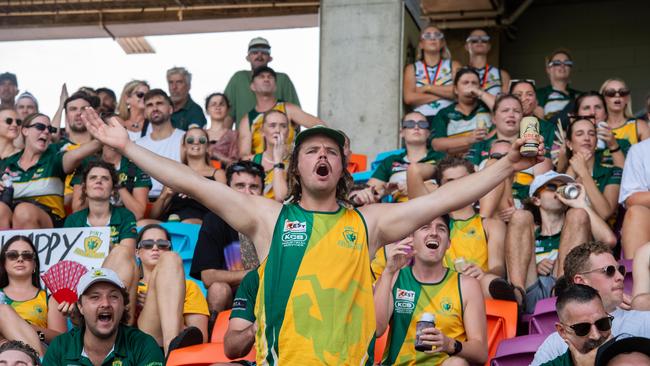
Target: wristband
(278,165)
(618,148)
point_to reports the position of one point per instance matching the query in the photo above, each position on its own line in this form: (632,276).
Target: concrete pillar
(361,71)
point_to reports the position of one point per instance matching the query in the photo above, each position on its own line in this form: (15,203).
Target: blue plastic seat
(184,237)
(363,177)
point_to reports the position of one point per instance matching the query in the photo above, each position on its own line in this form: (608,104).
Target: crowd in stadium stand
(313,259)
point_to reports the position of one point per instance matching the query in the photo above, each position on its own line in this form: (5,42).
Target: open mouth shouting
(105,318)
(323,170)
(432,244)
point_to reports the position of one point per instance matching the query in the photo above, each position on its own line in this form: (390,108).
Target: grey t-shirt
(634,322)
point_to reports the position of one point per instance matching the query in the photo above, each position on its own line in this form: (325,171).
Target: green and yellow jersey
(468,240)
(315,301)
(256,120)
(33,311)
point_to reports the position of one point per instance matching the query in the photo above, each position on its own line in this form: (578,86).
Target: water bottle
(8,192)
(602,145)
(427,320)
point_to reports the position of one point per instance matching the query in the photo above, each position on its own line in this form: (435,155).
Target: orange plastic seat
(501,323)
(357,163)
(208,353)
(380,346)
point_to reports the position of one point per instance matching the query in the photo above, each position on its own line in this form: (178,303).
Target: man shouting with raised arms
(315,303)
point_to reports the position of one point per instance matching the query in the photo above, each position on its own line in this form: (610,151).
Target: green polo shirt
(546,246)
(242,99)
(129,175)
(243,306)
(563,360)
(42,183)
(450,122)
(122,223)
(554,101)
(398,163)
(604,176)
(132,348)
(191,113)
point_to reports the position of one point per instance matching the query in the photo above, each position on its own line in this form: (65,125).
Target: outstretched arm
(391,222)
(251,215)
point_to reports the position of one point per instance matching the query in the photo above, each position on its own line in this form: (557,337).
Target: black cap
(262,69)
(9,76)
(620,345)
(321,130)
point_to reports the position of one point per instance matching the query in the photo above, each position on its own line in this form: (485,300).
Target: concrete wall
(360,71)
(606,38)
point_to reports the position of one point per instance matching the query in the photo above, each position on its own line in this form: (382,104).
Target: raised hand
(519,162)
(112,134)
(578,202)
(399,254)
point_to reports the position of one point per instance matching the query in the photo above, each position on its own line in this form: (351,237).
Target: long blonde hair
(628,106)
(122,107)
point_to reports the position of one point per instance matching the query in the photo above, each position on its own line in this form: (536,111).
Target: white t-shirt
(636,172)
(169,148)
(634,322)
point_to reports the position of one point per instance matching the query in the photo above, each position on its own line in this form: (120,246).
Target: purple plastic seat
(543,320)
(517,351)
(627,280)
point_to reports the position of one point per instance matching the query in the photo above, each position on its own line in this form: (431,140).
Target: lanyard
(426,71)
(485,75)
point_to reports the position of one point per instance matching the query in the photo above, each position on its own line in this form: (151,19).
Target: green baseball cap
(321,130)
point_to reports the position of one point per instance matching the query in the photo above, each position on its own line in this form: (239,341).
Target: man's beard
(78,128)
(592,343)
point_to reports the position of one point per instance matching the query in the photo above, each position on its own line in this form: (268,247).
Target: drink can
(602,145)
(529,131)
(481,123)
(460,264)
(427,320)
(569,191)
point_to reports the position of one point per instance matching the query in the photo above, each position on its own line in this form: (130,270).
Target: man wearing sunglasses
(593,264)
(493,79)
(238,90)
(558,95)
(584,325)
(222,255)
(390,176)
(316,249)
(538,239)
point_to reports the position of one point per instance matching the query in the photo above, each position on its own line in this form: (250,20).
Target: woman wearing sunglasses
(131,107)
(221,137)
(506,118)
(9,131)
(556,96)
(428,82)
(619,112)
(194,153)
(493,80)
(38,173)
(275,157)
(601,183)
(164,293)
(29,314)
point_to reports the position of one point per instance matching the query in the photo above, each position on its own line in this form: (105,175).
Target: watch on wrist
(278,165)
(458,347)
(41,335)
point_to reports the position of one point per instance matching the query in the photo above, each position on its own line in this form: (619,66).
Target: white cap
(542,179)
(98,275)
(427,317)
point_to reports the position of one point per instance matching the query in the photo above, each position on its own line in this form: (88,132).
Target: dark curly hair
(577,260)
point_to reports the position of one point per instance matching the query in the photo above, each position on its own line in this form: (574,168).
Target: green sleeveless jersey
(315,302)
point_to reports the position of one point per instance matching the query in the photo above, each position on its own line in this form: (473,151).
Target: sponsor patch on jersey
(239,304)
(295,226)
(405,295)
(404,307)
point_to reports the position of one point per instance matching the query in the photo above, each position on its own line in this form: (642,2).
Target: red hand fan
(62,279)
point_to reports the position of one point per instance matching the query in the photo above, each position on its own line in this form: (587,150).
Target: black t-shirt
(216,248)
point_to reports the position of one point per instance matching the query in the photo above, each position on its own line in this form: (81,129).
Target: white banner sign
(86,245)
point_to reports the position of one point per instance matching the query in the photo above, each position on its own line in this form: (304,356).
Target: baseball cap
(619,345)
(542,179)
(259,43)
(335,135)
(96,275)
(262,69)
(9,76)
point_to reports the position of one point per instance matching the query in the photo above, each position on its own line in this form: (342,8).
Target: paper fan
(62,279)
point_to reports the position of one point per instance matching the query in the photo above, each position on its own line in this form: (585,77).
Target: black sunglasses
(14,255)
(42,127)
(609,271)
(610,93)
(201,140)
(408,124)
(239,167)
(497,156)
(140,95)
(567,63)
(10,120)
(602,324)
(162,244)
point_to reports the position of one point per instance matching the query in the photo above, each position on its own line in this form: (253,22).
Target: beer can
(529,131)
(569,191)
